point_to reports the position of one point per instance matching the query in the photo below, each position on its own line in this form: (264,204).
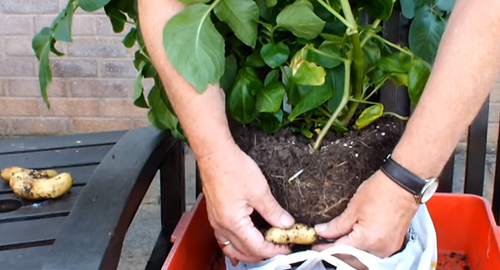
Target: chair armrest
(93,233)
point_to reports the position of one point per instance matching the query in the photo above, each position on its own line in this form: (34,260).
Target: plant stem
(325,112)
(374,90)
(358,79)
(337,15)
(357,56)
(343,102)
(368,36)
(326,54)
(346,8)
(397,115)
(392,44)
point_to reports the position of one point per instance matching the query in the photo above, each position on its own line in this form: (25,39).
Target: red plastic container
(467,236)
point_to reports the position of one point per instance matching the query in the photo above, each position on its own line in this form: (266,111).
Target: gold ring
(224,244)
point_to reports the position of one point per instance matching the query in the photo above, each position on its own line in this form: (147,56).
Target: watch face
(429,190)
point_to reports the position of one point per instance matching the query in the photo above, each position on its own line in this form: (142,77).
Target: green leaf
(116,17)
(408,8)
(425,33)
(159,114)
(139,99)
(308,134)
(231,69)
(417,79)
(272,76)
(295,92)
(305,72)
(194,46)
(399,79)
(397,62)
(275,54)
(241,16)
(92,5)
(53,48)
(241,100)
(377,9)
(445,5)
(371,54)
(300,19)
(337,126)
(41,44)
(264,11)
(338,77)
(369,115)
(378,76)
(316,97)
(63,23)
(129,39)
(270,98)
(270,123)
(333,38)
(271,3)
(326,55)
(255,59)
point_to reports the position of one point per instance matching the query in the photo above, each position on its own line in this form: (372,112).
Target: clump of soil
(452,261)
(330,176)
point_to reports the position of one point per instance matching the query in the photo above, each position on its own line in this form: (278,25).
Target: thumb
(272,212)
(338,227)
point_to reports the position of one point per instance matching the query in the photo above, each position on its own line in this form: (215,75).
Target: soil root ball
(330,176)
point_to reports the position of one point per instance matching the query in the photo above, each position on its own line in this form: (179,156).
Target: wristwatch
(422,189)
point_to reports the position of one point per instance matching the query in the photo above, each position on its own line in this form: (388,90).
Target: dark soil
(330,176)
(452,261)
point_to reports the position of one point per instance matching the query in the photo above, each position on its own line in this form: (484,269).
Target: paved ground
(145,227)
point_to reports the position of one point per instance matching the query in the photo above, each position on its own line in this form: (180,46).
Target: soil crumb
(330,176)
(452,261)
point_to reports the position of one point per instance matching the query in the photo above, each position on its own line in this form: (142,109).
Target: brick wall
(92,87)
(93,84)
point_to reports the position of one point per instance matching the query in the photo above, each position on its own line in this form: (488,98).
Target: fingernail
(287,220)
(321,227)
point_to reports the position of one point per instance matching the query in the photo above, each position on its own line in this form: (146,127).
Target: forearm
(465,70)
(202,116)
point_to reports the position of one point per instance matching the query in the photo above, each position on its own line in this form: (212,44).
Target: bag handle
(310,257)
(369,260)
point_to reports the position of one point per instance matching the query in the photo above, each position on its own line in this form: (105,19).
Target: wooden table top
(29,228)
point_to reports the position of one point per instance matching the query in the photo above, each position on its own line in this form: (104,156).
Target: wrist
(400,196)
(422,189)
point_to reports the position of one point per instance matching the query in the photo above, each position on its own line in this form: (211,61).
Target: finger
(271,211)
(234,262)
(233,250)
(338,227)
(252,243)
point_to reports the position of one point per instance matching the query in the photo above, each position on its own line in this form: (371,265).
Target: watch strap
(403,177)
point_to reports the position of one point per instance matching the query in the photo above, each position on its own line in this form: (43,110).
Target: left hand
(376,219)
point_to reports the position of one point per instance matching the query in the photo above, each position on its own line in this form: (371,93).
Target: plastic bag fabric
(420,253)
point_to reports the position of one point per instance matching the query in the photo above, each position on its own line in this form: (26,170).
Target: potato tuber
(298,234)
(37,185)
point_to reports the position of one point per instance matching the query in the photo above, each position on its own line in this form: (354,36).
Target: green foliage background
(314,56)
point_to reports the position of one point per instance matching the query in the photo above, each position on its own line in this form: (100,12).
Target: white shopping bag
(420,253)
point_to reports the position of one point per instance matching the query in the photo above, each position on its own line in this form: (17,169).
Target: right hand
(234,186)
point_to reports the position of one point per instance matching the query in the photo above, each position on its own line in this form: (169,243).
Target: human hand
(376,219)
(234,187)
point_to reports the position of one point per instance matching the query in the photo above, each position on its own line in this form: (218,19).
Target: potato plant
(312,66)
